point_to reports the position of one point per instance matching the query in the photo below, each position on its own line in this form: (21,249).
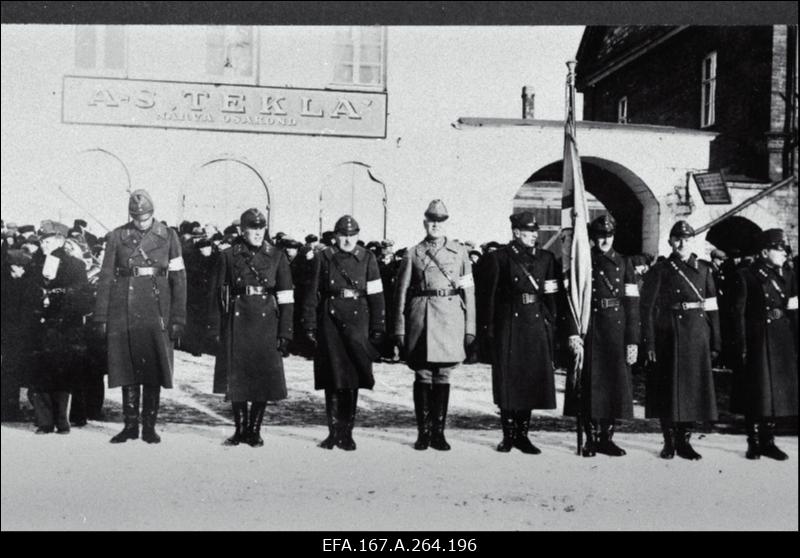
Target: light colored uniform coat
(440,322)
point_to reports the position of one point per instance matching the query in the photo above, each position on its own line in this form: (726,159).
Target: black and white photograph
(425,272)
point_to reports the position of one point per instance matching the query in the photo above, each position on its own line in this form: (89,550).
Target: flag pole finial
(571,69)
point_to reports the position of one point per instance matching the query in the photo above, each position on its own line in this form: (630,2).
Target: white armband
(176,264)
(550,286)
(631,289)
(374,287)
(710,304)
(466,281)
(791,304)
(285,297)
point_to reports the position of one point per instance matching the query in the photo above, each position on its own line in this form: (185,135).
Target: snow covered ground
(190,481)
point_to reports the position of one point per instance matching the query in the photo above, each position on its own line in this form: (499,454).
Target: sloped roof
(604,48)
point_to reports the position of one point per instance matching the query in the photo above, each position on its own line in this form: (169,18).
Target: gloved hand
(376,338)
(744,357)
(632,354)
(651,356)
(100,329)
(176,331)
(576,348)
(311,335)
(469,339)
(283,346)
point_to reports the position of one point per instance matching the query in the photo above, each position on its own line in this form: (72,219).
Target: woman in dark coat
(765,385)
(251,310)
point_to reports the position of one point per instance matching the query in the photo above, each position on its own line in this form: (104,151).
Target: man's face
(434,229)
(206,251)
(291,253)
(474,258)
(52,243)
(775,256)
(142,222)
(604,243)
(526,238)
(254,237)
(680,246)
(346,243)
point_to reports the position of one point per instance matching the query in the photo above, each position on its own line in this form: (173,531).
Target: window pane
(343,73)
(115,47)
(85,46)
(343,53)
(369,75)
(370,54)
(371,35)
(344,35)
(240,50)
(215,50)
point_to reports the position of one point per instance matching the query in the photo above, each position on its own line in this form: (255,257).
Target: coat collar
(766,271)
(358,252)
(691,262)
(158,229)
(241,247)
(611,255)
(518,248)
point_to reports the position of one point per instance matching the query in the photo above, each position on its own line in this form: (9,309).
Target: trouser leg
(43,408)
(61,408)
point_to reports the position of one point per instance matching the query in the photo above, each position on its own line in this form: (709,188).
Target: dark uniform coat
(62,346)
(199,271)
(249,366)
(140,310)
(344,356)
(681,385)
(21,311)
(522,333)
(766,327)
(435,326)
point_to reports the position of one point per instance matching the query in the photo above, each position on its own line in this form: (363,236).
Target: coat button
(263,314)
(237,313)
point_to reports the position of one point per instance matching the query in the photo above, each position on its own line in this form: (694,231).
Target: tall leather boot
(682,446)
(241,423)
(440,397)
(150,401)
(589,448)
(331,410)
(606,443)
(61,406)
(422,411)
(78,407)
(257,409)
(767,447)
(521,441)
(347,419)
(667,430)
(130,410)
(43,407)
(509,426)
(751,427)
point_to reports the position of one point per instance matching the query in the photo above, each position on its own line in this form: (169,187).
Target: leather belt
(775,313)
(688,306)
(436,292)
(254,290)
(348,293)
(529,298)
(603,303)
(141,271)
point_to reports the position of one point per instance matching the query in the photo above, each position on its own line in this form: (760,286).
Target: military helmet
(140,203)
(681,229)
(524,221)
(253,219)
(436,211)
(602,226)
(346,225)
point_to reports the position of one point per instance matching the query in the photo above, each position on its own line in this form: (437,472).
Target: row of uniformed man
(141,309)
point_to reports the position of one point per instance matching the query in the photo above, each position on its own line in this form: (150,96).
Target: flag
(575,249)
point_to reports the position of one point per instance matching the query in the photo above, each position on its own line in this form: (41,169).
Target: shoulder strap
(444,272)
(514,258)
(342,272)
(688,281)
(248,259)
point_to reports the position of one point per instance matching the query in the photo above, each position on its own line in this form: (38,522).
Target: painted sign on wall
(230,108)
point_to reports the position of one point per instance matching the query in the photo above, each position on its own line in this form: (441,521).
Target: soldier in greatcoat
(521,289)
(610,346)
(765,304)
(141,310)
(65,302)
(434,321)
(680,332)
(251,312)
(344,318)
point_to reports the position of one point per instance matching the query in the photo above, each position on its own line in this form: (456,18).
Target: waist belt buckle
(136,273)
(349,293)
(528,298)
(441,292)
(775,313)
(604,303)
(684,305)
(251,290)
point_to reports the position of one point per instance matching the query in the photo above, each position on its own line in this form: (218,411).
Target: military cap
(253,219)
(602,226)
(524,221)
(773,238)
(231,229)
(18,257)
(52,228)
(311,238)
(12,226)
(373,245)
(79,223)
(140,203)
(387,243)
(26,229)
(474,252)
(346,225)
(490,246)
(203,243)
(681,229)
(436,211)
(279,236)
(717,254)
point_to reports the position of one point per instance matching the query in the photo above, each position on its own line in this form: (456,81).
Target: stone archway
(220,189)
(616,189)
